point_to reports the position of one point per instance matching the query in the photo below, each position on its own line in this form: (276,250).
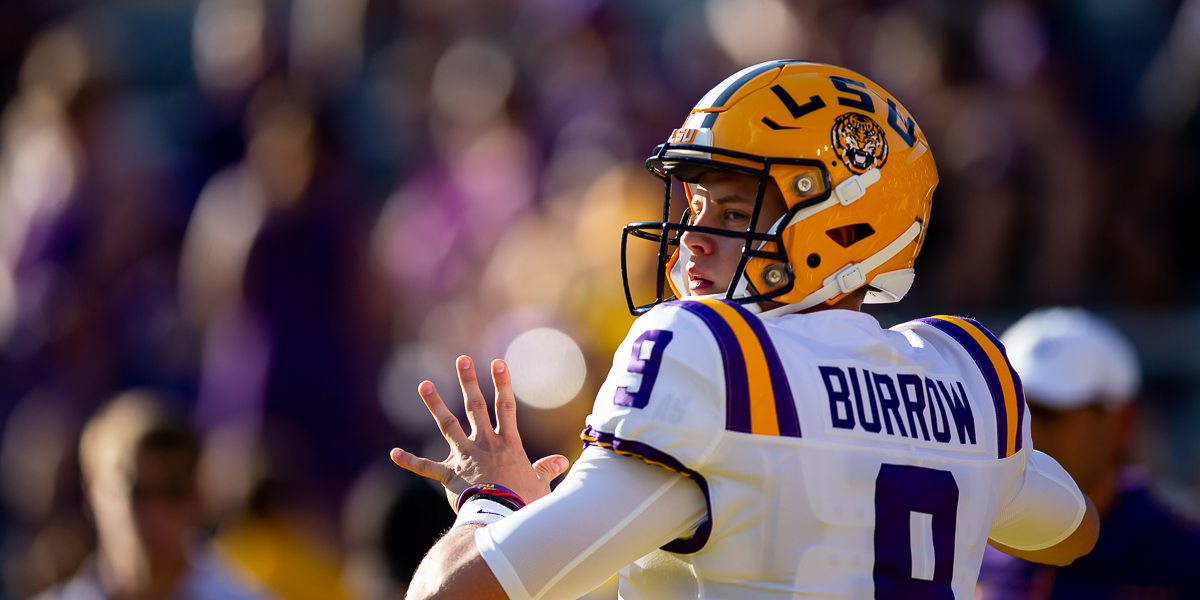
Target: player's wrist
(481,510)
(485,504)
(492,492)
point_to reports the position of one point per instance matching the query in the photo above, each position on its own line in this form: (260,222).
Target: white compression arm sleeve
(609,511)
(1046,510)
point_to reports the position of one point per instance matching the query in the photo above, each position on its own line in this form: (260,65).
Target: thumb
(552,466)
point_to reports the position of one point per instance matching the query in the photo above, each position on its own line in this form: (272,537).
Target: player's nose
(698,243)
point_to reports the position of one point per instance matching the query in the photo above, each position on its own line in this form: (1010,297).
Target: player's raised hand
(489,454)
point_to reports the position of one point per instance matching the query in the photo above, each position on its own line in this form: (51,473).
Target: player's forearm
(454,569)
(1080,542)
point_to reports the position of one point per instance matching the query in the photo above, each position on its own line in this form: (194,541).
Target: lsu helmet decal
(859,141)
(845,155)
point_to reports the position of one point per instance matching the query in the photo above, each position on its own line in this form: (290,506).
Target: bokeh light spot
(472,81)
(547,367)
(751,31)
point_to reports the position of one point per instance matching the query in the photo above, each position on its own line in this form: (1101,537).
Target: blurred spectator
(1081,379)
(139,470)
(48,536)
(274,535)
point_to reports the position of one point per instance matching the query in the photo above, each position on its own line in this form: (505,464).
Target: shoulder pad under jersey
(688,372)
(662,399)
(987,356)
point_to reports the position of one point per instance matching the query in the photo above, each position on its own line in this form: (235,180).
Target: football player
(758,436)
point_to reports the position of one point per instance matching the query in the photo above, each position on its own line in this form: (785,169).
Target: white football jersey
(839,459)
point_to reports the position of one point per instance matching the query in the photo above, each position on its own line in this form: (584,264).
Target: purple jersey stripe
(981,359)
(594,437)
(1016,382)
(785,405)
(1020,404)
(737,384)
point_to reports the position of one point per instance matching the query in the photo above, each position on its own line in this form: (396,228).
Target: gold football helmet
(844,153)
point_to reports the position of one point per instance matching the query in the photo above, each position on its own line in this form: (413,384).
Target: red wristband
(492,491)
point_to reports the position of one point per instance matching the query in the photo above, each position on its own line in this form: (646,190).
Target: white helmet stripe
(725,90)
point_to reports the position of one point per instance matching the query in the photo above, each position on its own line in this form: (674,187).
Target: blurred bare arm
(454,569)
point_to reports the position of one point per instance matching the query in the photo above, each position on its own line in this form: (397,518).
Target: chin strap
(854,276)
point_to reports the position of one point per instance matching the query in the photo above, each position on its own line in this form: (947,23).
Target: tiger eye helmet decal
(846,155)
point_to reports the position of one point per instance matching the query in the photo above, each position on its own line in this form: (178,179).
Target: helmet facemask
(771,275)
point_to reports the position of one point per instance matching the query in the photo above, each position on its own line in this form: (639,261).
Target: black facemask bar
(666,234)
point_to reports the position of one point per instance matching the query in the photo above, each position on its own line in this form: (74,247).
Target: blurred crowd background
(272,218)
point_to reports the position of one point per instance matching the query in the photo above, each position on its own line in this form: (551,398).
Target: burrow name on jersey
(911,408)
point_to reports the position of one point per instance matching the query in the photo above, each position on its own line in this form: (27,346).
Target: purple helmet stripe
(711,100)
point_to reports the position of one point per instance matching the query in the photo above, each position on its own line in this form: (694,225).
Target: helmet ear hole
(848,235)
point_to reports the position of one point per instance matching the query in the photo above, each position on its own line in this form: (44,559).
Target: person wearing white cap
(1081,379)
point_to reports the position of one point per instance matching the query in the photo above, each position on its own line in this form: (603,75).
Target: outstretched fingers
(506,403)
(446,421)
(477,412)
(422,466)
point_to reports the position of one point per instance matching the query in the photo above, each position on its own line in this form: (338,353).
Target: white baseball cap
(1068,358)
